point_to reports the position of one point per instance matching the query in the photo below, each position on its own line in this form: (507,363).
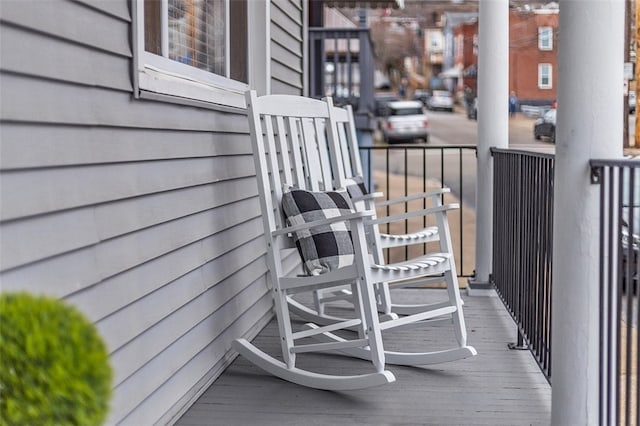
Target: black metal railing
(522,245)
(342,66)
(401,170)
(619,182)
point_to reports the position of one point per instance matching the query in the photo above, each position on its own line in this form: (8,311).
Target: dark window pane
(238,39)
(152,33)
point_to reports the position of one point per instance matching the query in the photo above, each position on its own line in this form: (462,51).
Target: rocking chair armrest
(416,213)
(413,197)
(367,197)
(361,215)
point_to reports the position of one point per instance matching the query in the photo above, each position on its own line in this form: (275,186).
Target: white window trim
(541,45)
(156,76)
(259,44)
(550,84)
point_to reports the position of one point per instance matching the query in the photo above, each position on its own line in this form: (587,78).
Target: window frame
(549,75)
(545,42)
(160,78)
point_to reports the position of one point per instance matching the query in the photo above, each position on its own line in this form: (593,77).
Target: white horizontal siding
(27,146)
(200,365)
(111,258)
(210,298)
(291,8)
(62,103)
(143,214)
(118,9)
(283,87)
(166,364)
(286,47)
(65,61)
(73,22)
(29,192)
(127,324)
(284,56)
(286,74)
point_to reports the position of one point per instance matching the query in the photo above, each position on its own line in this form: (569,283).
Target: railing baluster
(619,309)
(461,192)
(523,220)
(406,166)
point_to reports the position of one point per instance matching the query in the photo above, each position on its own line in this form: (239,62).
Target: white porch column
(493,127)
(590,120)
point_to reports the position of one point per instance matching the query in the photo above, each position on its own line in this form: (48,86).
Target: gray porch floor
(497,387)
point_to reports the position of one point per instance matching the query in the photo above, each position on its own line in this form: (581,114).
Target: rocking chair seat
(401,240)
(417,264)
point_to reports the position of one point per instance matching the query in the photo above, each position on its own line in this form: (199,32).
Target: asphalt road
(457,167)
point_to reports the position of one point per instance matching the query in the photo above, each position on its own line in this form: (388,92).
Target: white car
(406,122)
(440,99)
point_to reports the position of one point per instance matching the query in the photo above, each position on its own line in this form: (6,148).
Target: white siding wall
(287,47)
(143,214)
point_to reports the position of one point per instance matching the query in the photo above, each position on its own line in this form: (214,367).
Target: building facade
(466,55)
(533,54)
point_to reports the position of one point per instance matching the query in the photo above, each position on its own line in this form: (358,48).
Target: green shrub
(54,366)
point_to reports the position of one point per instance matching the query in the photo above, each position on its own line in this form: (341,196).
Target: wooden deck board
(497,387)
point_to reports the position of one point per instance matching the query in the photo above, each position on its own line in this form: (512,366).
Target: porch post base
(480,288)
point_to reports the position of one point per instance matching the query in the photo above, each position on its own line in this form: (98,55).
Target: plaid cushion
(356,187)
(323,248)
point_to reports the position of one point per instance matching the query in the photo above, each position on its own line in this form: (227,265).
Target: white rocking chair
(324,161)
(346,166)
(281,130)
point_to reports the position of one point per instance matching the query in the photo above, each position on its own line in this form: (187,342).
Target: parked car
(545,126)
(440,99)
(406,122)
(422,96)
(381,100)
(472,112)
(632,102)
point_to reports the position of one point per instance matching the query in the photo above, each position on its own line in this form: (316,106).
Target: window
(544,76)
(193,49)
(545,38)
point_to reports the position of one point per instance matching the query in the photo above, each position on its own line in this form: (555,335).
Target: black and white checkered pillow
(356,187)
(326,247)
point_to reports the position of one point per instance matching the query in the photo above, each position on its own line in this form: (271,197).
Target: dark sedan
(545,126)
(382,101)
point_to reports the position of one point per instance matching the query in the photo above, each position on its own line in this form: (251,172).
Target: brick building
(533,55)
(466,54)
